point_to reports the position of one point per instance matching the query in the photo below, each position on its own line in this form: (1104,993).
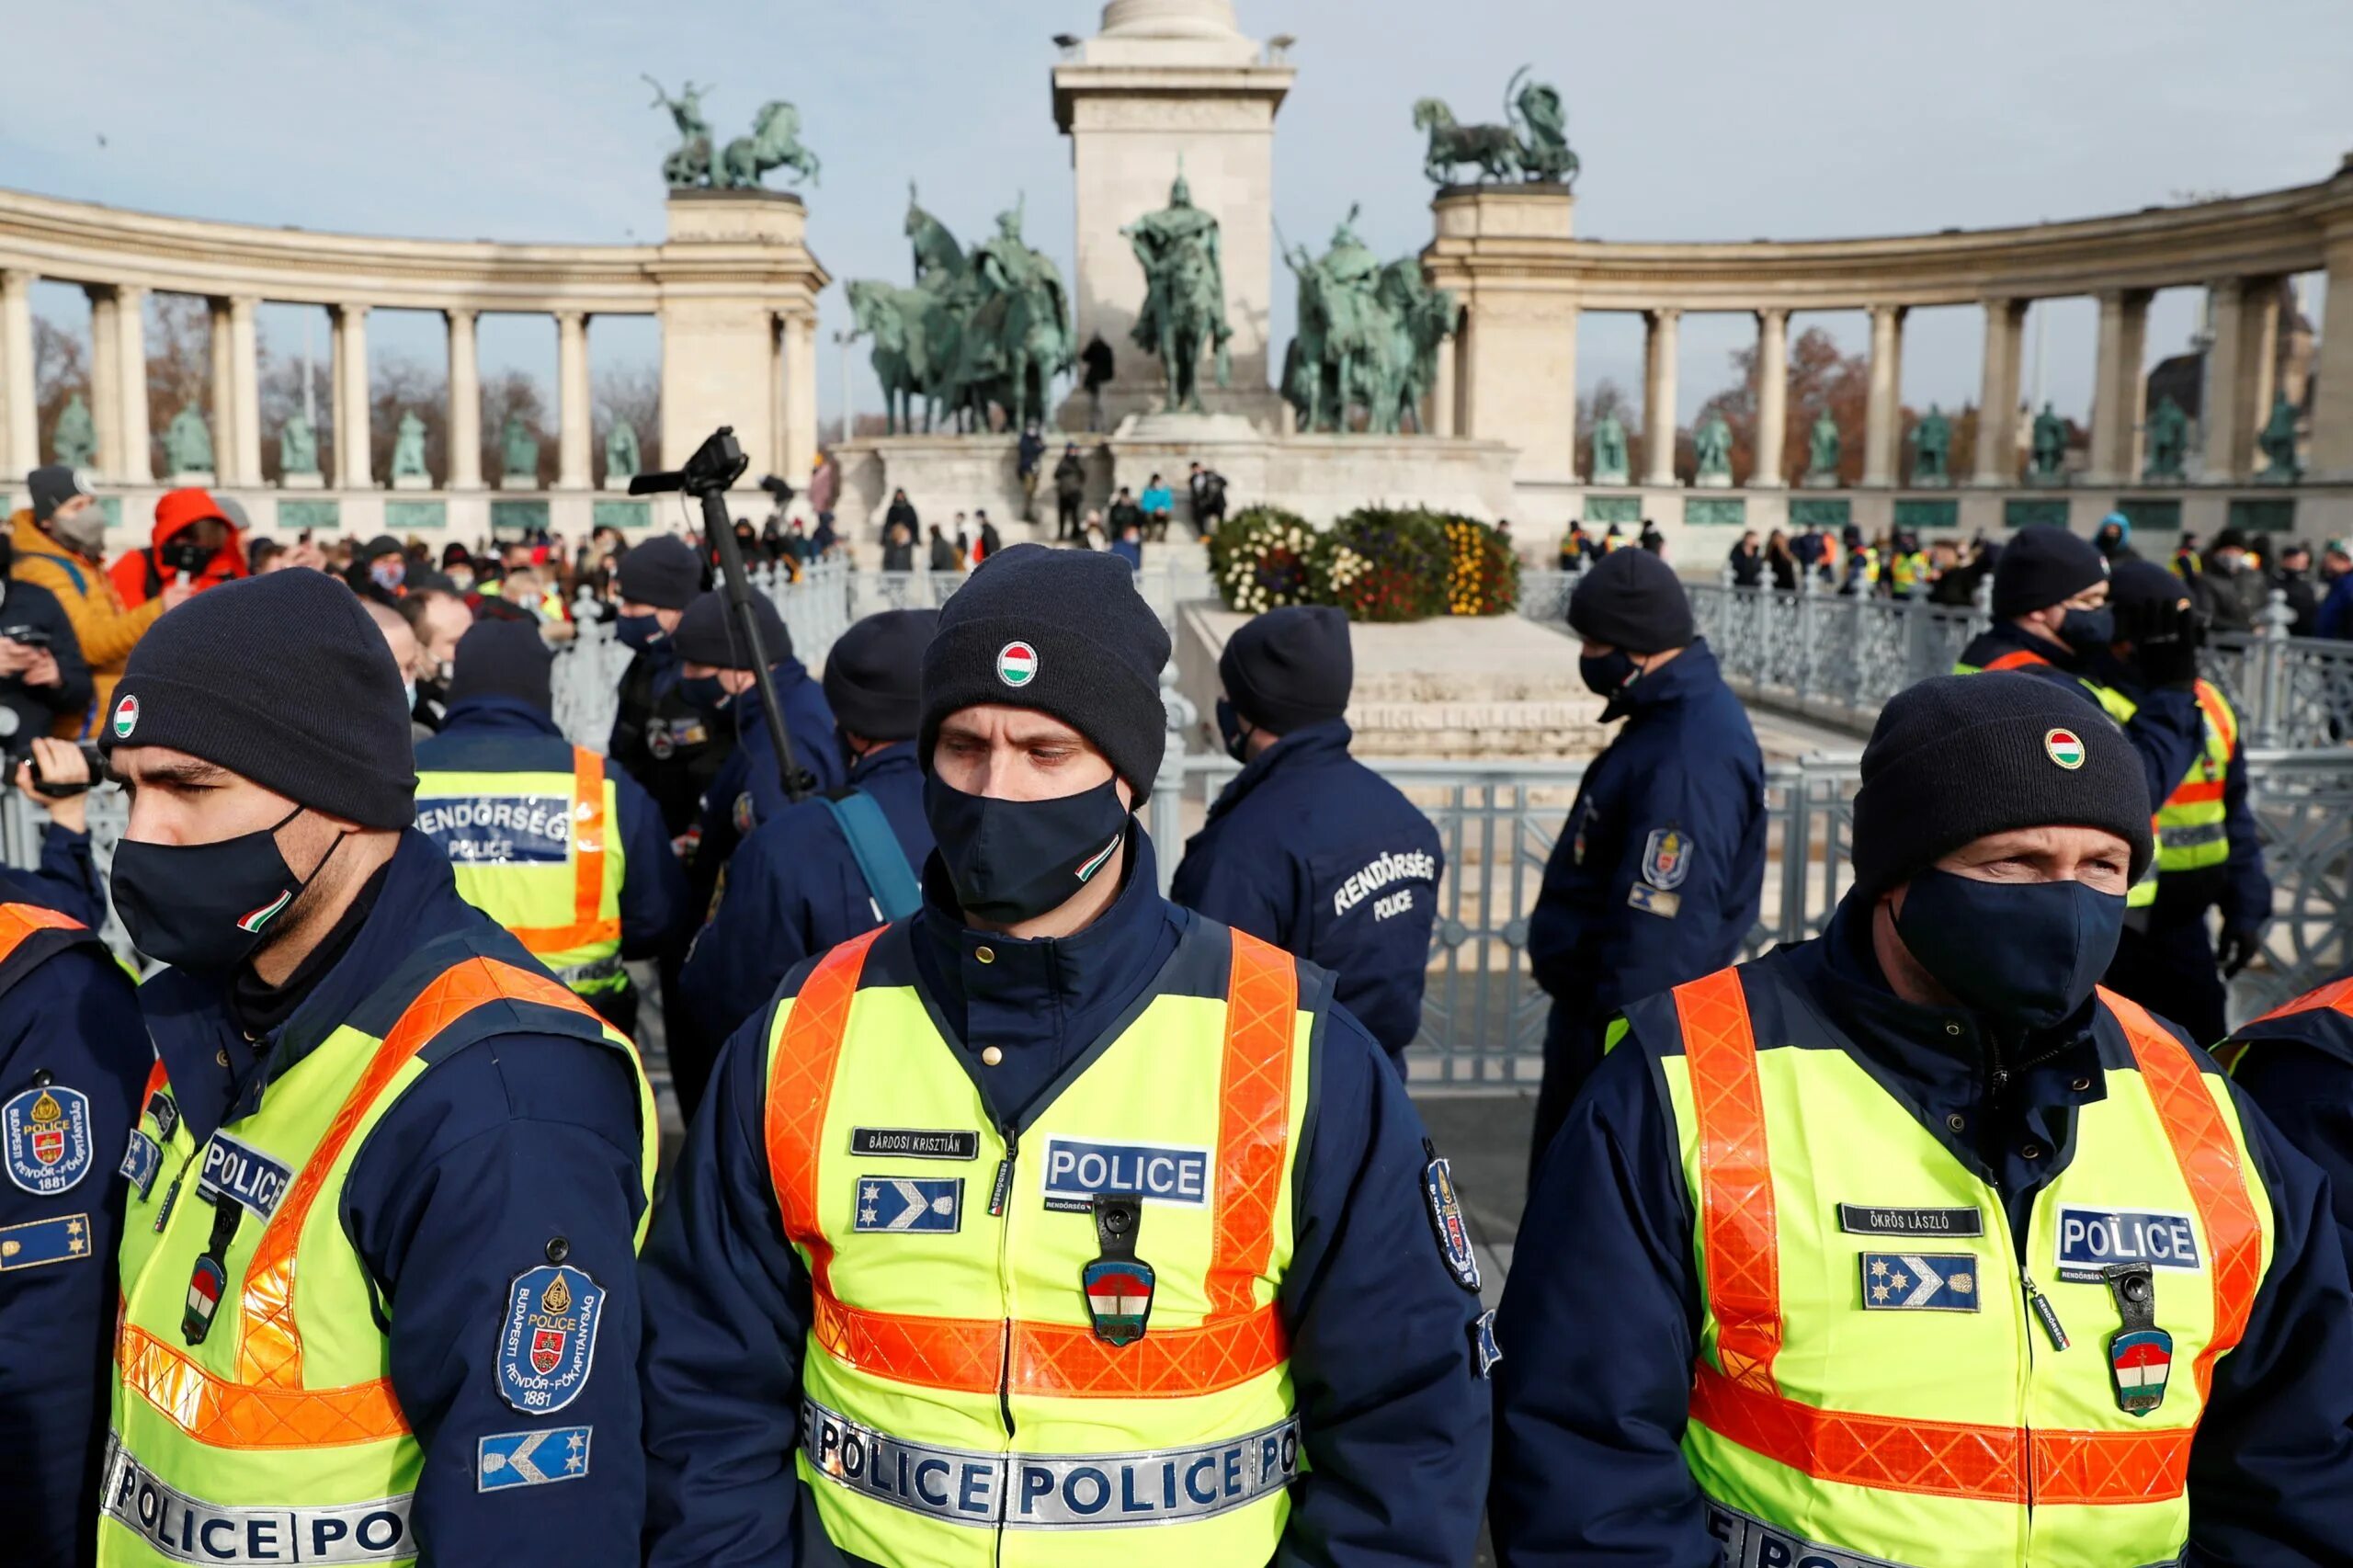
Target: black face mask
(2085,630)
(1233,730)
(185,556)
(1607,675)
(1014,860)
(2024,955)
(205,907)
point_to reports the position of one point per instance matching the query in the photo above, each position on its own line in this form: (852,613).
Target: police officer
(657,739)
(565,852)
(2209,852)
(1056,1207)
(1657,877)
(823,870)
(74,1063)
(1899,1246)
(2296,1062)
(1307,848)
(377,1270)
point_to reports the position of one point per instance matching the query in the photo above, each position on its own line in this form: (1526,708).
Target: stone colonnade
(734,286)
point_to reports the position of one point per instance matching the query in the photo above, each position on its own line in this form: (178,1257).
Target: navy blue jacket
(66,1011)
(793,889)
(2300,1070)
(1657,878)
(504,1144)
(506,735)
(745,791)
(2167,729)
(1394,1422)
(67,879)
(1321,855)
(38,708)
(1602,1313)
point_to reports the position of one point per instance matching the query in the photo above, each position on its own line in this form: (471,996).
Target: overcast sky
(1715,119)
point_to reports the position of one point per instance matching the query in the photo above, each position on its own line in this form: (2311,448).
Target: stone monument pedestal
(621,486)
(302,480)
(1712,482)
(412,481)
(1932,482)
(1609,476)
(199,478)
(518,482)
(1820,482)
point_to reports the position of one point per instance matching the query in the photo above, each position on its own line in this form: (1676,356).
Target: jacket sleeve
(727,1312)
(68,877)
(517,1151)
(2267,1468)
(2168,731)
(75,1017)
(1597,1330)
(74,688)
(1241,890)
(107,631)
(1394,1414)
(2301,1088)
(654,888)
(1556,927)
(750,943)
(2246,896)
(1649,942)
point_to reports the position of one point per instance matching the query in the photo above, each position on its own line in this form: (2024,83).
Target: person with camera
(57,775)
(43,682)
(57,544)
(196,542)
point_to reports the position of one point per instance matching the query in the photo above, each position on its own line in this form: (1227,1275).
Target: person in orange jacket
(60,543)
(195,543)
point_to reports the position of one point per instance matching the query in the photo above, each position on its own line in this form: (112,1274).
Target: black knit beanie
(1290,667)
(282,679)
(707,635)
(52,486)
(504,658)
(663,572)
(2042,566)
(1065,633)
(1956,757)
(874,675)
(1632,599)
(2137,583)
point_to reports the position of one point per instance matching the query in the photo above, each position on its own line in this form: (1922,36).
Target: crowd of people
(1018,1203)
(1133,519)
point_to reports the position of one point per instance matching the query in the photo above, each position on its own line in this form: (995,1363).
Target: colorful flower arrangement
(1378,563)
(1403,573)
(1264,557)
(1481,572)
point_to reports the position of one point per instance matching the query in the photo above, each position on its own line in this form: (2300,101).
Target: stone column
(1772,399)
(223,394)
(796,400)
(353,464)
(243,459)
(1883,413)
(106,361)
(2331,455)
(1441,413)
(1997,399)
(573,422)
(2115,387)
(465,403)
(2238,373)
(136,465)
(20,435)
(1658,395)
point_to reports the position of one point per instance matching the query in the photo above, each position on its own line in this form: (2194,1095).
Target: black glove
(2165,639)
(2237,950)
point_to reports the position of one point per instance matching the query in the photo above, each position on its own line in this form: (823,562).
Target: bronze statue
(1543,126)
(2279,443)
(75,442)
(689,163)
(1609,461)
(1532,143)
(1712,444)
(519,454)
(1932,448)
(188,445)
(1184,302)
(773,143)
(2048,451)
(2169,440)
(622,459)
(1421,318)
(298,446)
(1341,356)
(1822,452)
(408,448)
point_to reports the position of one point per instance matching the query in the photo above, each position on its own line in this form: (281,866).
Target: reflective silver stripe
(2189,837)
(581,973)
(1050,1492)
(1749,1542)
(189,1529)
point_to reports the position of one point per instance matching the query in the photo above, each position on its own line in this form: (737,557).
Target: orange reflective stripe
(2218,713)
(18,921)
(1736,1218)
(156,1079)
(269,1352)
(1254,1120)
(800,1085)
(225,1414)
(2336,996)
(2017,659)
(2195,792)
(588,923)
(2208,1158)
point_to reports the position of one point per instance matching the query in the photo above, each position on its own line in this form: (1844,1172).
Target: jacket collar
(1316,745)
(491,714)
(899,756)
(1677,681)
(2009,637)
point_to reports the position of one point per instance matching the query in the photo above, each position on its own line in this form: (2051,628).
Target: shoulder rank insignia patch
(746,816)
(1919,1281)
(657,745)
(1484,1351)
(61,1239)
(1667,858)
(548,1341)
(1446,1218)
(531,1459)
(911,1205)
(1650,901)
(45,1138)
(142,1158)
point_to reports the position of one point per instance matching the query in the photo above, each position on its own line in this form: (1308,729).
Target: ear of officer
(1037,1029)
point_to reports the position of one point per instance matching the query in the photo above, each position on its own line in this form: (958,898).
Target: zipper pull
(1001,1189)
(2045,1311)
(171,1196)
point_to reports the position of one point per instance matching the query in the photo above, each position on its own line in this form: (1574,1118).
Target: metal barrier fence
(1483,1016)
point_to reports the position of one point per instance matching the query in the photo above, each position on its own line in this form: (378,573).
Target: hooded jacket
(140,576)
(103,625)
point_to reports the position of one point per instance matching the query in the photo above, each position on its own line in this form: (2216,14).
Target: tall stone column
(797,402)
(1772,399)
(136,466)
(1997,399)
(573,423)
(2115,387)
(1884,412)
(106,366)
(221,394)
(20,435)
(1441,414)
(2238,373)
(2331,456)
(243,463)
(353,464)
(465,401)
(1658,395)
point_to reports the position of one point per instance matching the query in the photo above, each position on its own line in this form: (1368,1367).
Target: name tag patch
(911,1205)
(1077,1170)
(45,1138)
(141,1160)
(499,830)
(241,1172)
(1888,1220)
(1650,901)
(2091,1239)
(548,1341)
(1749,1542)
(531,1459)
(915,1143)
(1919,1281)
(61,1239)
